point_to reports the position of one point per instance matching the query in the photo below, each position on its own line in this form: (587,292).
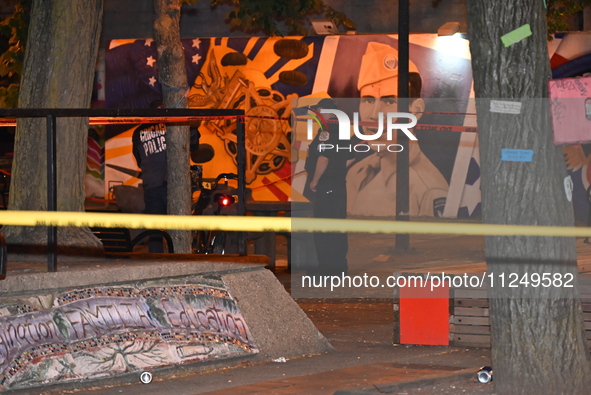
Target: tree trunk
(58,72)
(537,333)
(173,77)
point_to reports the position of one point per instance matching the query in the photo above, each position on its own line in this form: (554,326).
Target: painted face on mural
(376,99)
(378,88)
(379,99)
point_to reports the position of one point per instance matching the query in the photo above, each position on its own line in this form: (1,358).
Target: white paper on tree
(505,107)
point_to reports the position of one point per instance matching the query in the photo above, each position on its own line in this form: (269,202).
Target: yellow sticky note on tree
(516,35)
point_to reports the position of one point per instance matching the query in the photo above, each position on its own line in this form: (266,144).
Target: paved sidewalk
(364,360)
(363,357)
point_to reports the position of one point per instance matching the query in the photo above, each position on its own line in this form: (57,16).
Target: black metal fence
(51,115)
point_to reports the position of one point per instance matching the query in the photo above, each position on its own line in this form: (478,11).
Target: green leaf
(558,13)
(251,16)
(14,29)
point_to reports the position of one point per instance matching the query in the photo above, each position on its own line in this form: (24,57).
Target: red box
(424,315)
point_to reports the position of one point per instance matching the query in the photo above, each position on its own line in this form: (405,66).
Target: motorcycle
(215,198)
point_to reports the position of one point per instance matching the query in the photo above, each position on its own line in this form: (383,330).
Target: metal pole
(3,257)
(51,193)
(241,164)
(402,168)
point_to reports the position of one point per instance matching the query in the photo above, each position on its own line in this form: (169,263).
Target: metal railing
(143,115)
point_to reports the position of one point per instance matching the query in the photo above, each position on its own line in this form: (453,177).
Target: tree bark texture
(173,77)
(58,72)
(537,333)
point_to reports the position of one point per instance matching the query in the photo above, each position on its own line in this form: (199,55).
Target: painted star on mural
(141,60)
(150,61)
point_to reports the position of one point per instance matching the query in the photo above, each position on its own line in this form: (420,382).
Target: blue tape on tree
(517,155)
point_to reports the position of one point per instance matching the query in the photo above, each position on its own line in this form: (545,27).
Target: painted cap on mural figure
(328,104)
(379,63)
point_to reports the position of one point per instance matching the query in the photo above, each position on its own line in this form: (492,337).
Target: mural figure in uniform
(371,182)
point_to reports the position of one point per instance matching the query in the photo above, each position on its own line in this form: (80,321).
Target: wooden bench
(469,324)
(469,320)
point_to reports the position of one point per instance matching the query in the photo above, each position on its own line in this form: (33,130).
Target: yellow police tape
(276,224)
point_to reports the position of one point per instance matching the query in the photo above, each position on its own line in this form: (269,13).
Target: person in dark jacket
(149,150)
(327,182)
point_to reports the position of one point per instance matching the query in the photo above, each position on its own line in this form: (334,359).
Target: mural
(95,161)
(571,57)
(225,73)
(444,164)
(268,78)
(104,331)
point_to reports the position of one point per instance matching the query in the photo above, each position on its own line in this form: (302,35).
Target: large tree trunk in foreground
(58,72)
(173,76)
(538,339)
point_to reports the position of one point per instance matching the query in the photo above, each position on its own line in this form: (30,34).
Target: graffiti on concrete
(103,331)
